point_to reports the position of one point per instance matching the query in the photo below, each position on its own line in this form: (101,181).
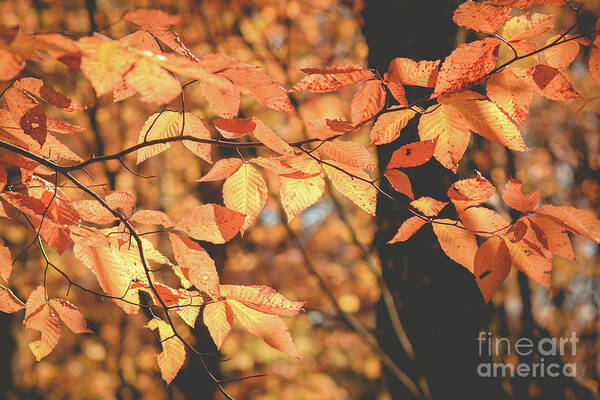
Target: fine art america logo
(501,347)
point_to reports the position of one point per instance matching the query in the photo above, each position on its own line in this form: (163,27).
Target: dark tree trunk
(438,300)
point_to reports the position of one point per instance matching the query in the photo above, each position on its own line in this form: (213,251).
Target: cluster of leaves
(472,89)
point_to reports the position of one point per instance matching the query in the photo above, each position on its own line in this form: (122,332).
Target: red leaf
(400,182)
(412,154)
(234,128)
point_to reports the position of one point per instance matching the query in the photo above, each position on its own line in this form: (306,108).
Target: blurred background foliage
(117,360)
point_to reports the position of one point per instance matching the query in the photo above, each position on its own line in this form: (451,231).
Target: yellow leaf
(172,357)
(298,194)
(360,191)
(218,318)
(246,192)
(348,152)
(389,125)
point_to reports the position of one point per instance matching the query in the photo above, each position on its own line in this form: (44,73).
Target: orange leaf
(262,87)
(517,231)
(246,192)
(218,318)
(6,261)
(484,222)
(328,128)
(367,101)
(222,96)
(212,223)
(270,139)
(511,94)
(470,192)
(10,64)
(557,238)
(103,63)
(527,26)
(269,328)
(172,356)
(39,316)
(428,206)
(222,169)
(152,217)
(38,88)
(28,113)
(262,298)
(551,83)
(451,130)
(483,17)
(457,243)
(196,265)
(234,128)
(398,92)
(527,260)
(94,212)
(489,121)
(9,303)
(388,126)
(405,71)
(70,315)
(348,152)
(412,154)
(466,66)
(154,84)
(561,55)
(330,79)
(120,199)
(408,228)
(581,222)
(513,195)
(492,265)
(400,182)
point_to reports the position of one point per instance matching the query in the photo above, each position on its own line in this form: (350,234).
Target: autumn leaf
(196,264)
(6,261)
(39,317)
(9,303)
(360,191)
(400,182)
(389,125)
(428,206)
(458,244)
(367,101)
(245,192)
(212,223)
(483,221)
(397,91)
(405,71)
(218,318)
(451,130)
(270,139)
(551,83)
(412,154)
(580,222)
(234,128)
(70,315)
(298,194)
(172,356)
(41,90)
(103,63)
(511,94)
(483,17)
(269,328)
(408,228)
(330,79)
(222,169)
(492,265)
(262,298)
(152,19)
(466,66)
(470,192)
(527,26)
(527,260)
(558,241)
(28,113)
(152,217)
(594,63)
(195,126)
(562,54)
(94,212)
(262,87)
(513,195)
(222,96)
(348,152)
(327,128)
(153,83)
